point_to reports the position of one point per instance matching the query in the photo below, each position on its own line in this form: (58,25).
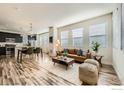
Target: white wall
(25,39)
(52,46)
(106,52)
(118,54)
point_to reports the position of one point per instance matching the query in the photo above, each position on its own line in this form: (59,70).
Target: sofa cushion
(71,51)
(76,51)
(84,53)
(76,56)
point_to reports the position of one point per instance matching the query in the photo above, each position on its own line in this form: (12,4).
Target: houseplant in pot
(65,55)
(95,46)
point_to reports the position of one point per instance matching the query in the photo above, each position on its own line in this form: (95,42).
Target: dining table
(19,55)
(23,50)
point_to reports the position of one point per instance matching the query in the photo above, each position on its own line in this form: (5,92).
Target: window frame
(105,45)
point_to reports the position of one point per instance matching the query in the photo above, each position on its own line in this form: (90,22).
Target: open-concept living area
(71,44)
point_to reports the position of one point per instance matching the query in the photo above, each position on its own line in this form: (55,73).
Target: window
(77,36)
(97,33)
(64,39)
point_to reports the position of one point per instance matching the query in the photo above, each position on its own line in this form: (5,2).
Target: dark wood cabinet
(4,35)
(8,50)
(2,50)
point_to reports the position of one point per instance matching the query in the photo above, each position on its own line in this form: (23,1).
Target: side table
(98,58)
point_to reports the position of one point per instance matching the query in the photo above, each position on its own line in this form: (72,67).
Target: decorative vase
(65,57)
(65,54)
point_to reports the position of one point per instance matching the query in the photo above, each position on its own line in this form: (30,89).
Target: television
(29,37)
(51,39)
(34,37)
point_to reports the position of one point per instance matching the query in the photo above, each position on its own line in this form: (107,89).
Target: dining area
(28,51)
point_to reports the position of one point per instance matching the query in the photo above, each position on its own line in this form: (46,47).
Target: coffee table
(63,60)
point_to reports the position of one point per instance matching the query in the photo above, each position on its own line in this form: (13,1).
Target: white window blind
(98,29)
(77,35)
(64,39)
(97,33)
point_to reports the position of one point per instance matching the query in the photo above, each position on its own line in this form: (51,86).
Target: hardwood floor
(30,72)
(27,73)
(108,76)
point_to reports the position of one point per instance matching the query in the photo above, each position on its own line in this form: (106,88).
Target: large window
(64,39)
(77,36)
(97,33)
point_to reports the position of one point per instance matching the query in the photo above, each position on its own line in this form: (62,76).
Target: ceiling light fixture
(16,8)
(30,26)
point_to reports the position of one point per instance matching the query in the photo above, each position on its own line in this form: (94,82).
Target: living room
(81,37)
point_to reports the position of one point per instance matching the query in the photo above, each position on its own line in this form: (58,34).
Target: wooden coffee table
(64,61)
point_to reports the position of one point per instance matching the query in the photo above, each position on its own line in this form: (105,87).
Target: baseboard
(118,74)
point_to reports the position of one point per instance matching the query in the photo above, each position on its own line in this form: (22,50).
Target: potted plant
(65,54)
(95,46)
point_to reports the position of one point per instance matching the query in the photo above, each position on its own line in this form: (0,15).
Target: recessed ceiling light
(16,8)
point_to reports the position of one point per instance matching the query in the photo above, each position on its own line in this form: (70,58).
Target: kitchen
(11,42)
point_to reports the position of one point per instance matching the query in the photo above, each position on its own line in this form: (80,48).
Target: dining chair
(37,51)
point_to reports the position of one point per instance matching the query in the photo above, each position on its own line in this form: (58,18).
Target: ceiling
(37,17)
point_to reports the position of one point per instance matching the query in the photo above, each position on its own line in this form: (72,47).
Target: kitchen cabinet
(4,35)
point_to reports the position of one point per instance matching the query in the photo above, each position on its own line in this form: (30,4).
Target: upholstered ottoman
(88,74)
(94,62)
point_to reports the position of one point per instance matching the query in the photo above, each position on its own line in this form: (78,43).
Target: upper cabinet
(10,37)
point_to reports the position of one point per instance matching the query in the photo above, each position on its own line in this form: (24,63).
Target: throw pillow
(78,52)
(75,51)
(84,53)
(71,51)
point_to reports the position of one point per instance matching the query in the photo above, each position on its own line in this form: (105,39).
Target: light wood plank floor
(30,72)
(27,73)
